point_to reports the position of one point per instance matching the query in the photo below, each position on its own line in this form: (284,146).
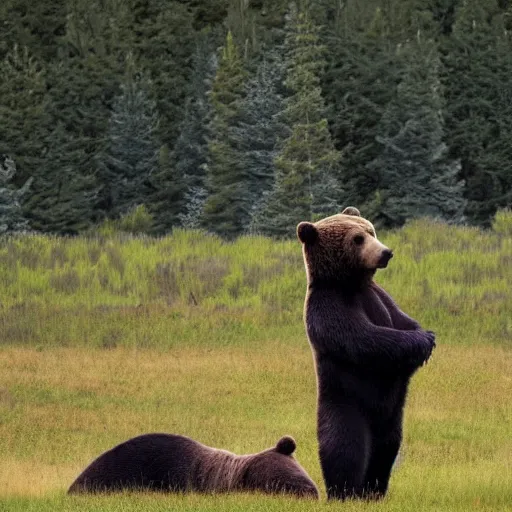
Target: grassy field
(106,338)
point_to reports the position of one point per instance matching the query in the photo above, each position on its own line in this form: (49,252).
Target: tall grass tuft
(502,223)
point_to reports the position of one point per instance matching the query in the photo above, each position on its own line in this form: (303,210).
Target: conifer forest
(248,116)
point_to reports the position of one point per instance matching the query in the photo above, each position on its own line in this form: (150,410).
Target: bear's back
(150,462)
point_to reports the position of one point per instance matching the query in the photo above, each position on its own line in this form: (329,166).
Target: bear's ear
(350,210)
(307,232)
(286,445)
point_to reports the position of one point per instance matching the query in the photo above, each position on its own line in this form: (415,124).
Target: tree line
(248,116)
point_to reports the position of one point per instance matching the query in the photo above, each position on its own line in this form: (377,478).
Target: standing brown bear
(366,350)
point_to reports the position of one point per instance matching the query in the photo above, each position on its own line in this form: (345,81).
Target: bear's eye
(358,239)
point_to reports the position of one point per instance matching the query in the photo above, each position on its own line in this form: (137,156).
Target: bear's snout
(386,255)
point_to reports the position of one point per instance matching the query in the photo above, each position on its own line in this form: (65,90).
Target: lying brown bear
(167,463)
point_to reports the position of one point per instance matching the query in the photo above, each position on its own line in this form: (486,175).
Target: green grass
(193,289)
(104,339)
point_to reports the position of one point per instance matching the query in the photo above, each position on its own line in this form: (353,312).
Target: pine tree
(81,85)
(477,65)
(417,177)
(434,18)
(24,124)
(209,13)
(305,185)
(361,76)
(85,79)
(495,158)
(161,36)
(131,157)
(195,200)
(11,215)
(64,191)
(260,129)
(191,150)
(49,154)
(226,210)
(166,194)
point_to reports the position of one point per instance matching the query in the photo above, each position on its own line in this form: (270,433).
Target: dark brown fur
(365,348)
(173,463)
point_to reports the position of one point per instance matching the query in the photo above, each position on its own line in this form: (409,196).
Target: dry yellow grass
(62,407)
(32,478)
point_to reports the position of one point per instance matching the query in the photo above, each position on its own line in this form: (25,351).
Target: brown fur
(337,256)
(366,350)
(172,463)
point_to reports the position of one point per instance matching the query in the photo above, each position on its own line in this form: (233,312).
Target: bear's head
(276,471)
(342,249)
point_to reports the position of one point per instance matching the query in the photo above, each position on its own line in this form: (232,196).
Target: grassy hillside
(106,338)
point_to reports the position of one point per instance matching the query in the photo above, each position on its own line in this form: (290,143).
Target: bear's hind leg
(381,464)
(345,446)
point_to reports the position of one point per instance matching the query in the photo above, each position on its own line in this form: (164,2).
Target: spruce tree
(81,85)
(131,157)
(23,120)
(240,21)
(360,78)
(43,148)
(477,65)
(417,177)
(64,191)
(259,131)
(162,38)
(226,210)
(305,186)
(166,194)
(11,215)
(191,150)
(495,158)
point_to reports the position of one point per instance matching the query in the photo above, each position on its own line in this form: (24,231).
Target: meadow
(106,337)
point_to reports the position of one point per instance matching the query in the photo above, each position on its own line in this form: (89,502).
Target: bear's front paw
(429,345)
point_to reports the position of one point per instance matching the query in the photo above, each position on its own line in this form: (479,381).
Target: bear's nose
(386,255)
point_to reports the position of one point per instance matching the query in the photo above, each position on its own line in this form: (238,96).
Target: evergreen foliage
(359,83)
(258,133)
(243,144)
(240,21)
(478,63)
(226,210)
(305,185)
(11,215)
(62,196)
(166,193)
(131,157)
(191,150)
(161,36)
(416,176)
(81,84)
(23,124)
(38,26)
